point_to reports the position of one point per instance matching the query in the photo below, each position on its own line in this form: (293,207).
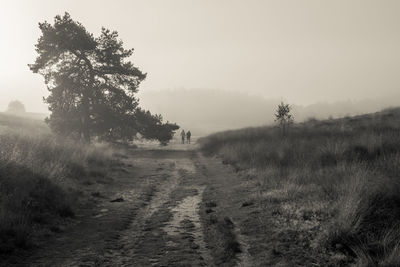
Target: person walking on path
(183,136)
(188,135)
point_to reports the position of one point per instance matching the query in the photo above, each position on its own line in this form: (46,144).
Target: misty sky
(301,51)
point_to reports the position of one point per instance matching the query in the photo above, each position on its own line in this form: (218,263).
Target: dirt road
(151,213)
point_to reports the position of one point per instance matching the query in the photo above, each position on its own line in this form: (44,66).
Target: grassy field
(336,182)
(40,177)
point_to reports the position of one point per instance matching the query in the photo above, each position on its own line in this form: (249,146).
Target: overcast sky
(301,51)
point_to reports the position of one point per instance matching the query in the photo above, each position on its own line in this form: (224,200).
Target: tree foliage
(91,81)
(283,116)
(16,107)
(151,127)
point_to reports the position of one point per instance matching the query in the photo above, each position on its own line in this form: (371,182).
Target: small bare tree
(283,117)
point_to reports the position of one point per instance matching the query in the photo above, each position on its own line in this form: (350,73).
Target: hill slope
(334,183)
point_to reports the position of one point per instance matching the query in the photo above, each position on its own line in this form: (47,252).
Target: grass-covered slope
(340,176)
(39,175)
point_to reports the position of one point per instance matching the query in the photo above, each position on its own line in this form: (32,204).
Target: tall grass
(354,164)
(38,175)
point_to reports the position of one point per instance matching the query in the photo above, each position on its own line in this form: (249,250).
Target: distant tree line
(92,85)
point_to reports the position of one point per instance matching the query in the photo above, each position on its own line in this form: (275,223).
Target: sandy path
(168,231)
(160,222)
(156,224)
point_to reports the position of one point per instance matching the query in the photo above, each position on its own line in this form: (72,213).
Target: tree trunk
(85,98)
(85,119)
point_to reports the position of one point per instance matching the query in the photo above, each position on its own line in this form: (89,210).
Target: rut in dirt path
(168,231)
(124,250)
(223,231)
(186,220)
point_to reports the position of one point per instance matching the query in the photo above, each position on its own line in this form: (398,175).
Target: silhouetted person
(183,136)
(188,135)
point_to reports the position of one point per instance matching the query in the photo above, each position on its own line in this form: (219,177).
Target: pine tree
(283,117)
(91,82)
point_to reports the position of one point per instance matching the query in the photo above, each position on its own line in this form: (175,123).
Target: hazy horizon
(302,52)
(227,110)
(204,111)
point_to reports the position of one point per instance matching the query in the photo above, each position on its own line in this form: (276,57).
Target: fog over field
(205,111)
